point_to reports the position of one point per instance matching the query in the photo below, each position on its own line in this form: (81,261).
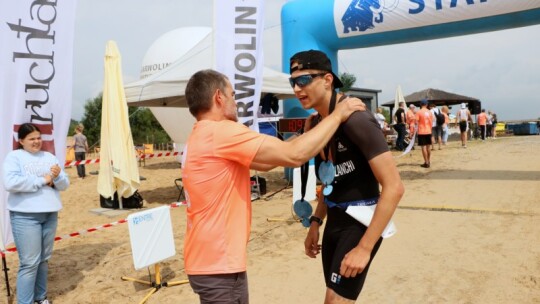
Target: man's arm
(385,170)
(294,153)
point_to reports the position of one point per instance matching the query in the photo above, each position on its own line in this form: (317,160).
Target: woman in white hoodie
(33,179)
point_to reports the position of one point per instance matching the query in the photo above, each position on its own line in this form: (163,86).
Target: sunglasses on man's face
(303,80)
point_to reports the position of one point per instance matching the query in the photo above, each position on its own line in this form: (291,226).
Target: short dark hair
(200,89)
(25,129)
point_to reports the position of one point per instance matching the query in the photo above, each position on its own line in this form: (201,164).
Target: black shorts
(424,139)
(462,126)
(341,235)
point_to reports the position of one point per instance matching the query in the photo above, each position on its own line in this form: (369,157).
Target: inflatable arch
(335,25)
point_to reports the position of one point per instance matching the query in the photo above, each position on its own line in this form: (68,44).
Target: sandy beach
(468,232)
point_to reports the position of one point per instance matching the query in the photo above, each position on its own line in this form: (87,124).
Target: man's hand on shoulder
(348,106)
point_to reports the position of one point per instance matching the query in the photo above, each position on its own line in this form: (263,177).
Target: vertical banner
(36,59)
(238,52)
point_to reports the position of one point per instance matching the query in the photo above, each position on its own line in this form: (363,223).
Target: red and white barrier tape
(143,156)
(159,155)
(81,232)
(81,162)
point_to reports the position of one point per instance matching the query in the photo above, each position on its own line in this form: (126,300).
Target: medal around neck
(327,172)
(303,210)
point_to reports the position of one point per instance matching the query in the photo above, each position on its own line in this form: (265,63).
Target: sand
(468,232)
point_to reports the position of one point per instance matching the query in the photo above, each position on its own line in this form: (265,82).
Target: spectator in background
(411,120)
(33,179)
(436,129)
(425,118)
(489,125)
(445,127)
(400,126)
(80,144)
(463,117)
(482,122)
(381,119)
(494,125)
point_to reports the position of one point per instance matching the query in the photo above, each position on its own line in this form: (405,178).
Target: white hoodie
(23,176)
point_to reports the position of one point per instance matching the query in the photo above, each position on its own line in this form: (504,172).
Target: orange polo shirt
(425,121)
(216,180)
(482,119)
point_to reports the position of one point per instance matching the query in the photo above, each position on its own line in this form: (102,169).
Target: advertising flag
(36,56)
(238,52)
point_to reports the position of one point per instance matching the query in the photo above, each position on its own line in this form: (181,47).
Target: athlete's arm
(384,169)
(311,244)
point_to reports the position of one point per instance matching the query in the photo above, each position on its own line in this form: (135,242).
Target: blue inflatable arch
(330,26)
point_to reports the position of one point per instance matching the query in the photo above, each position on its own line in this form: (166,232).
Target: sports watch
(315,219)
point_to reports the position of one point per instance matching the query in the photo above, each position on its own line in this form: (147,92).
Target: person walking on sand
(411,120)
(81,148)
(216,161)
(400,126)
(33,180)
(445,127)
(424,117)
(494,125)
(436,128)
(358,162)
(464,118)
(482,122)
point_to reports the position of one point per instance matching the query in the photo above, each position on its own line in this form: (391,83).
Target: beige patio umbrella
(118,169)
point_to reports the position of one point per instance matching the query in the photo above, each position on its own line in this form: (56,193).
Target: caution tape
(81,162)
(143,156)
(81,232)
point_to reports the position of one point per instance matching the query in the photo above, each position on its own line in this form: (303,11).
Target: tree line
(145,128)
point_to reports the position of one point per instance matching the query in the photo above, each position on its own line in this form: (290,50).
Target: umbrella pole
(120,205)
(5,269)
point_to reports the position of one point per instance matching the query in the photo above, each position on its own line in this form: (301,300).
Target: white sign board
(151,236)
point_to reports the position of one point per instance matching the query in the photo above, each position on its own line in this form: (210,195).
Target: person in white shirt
(463,118)
(33,179)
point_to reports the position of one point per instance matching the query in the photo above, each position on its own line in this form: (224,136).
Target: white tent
(166,88)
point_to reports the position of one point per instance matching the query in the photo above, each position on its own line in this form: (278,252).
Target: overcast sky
(501,68)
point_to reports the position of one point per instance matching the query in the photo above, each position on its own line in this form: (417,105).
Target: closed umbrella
(118,169)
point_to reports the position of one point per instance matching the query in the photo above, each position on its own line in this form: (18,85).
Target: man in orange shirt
(424,117)
(411,120)
(482,122)
(217,158)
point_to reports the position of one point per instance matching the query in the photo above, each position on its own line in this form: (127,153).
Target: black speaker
(134,201)
(111,202)
(262,184)
(476,108)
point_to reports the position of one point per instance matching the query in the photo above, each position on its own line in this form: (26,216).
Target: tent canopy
(167,88)
(438,98)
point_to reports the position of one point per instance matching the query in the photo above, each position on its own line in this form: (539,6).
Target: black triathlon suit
(357,141)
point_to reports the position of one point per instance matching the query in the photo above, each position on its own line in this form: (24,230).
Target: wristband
(315,219)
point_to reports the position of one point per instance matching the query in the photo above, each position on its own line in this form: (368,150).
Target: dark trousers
(483,132)
(400,141)
(80,168)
